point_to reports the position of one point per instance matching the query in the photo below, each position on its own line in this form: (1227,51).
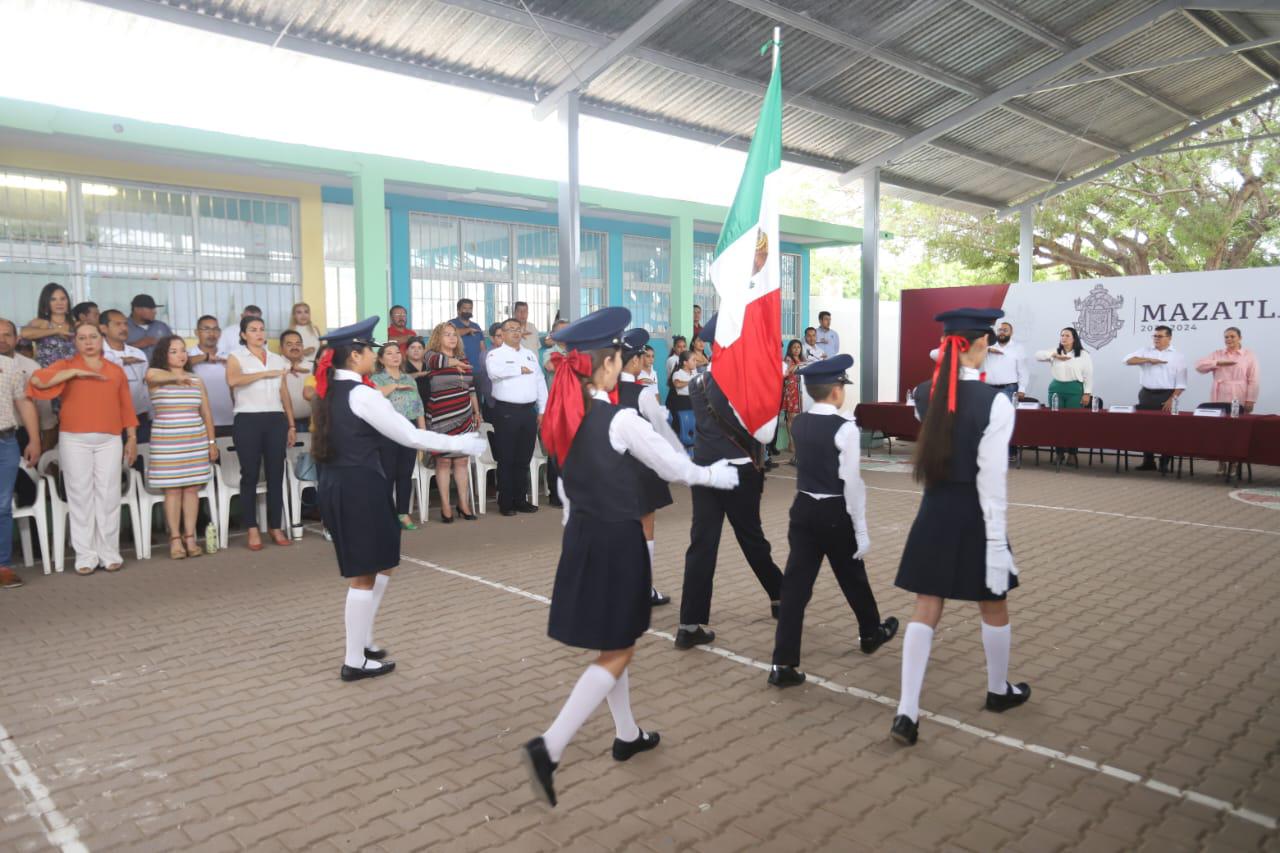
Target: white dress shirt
(829,341)
(812,352)
(652,410)
(263,395)
(683,376)
(214,376)
(648,376)
(1007,364)
(371,406)
(510,385)
(850,452)
(672,361)
(136,373)
(1078,368)
(993,460)
(1161,377)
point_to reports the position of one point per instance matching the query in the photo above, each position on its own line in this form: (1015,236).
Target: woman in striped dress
(182,443)
(452,408)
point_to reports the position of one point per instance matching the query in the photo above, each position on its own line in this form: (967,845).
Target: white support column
(1026,244)
(570,213)
(868,355)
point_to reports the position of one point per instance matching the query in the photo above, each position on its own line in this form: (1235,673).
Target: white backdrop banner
(1116,316)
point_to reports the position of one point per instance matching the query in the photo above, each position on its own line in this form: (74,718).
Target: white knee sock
(620,706)
(653,587)
(359,618)
(996,642)
(592,688)
(915,660)
(379,590)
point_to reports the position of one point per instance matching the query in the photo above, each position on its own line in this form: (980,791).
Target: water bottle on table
(1235,407)
(1053,402)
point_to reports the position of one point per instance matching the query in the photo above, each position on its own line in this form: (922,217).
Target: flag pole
(777,40)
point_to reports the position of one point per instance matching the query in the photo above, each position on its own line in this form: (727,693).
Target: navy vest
(710,440)
(598,483)
(817,457)
(973,412)
(629,394)
(355,444)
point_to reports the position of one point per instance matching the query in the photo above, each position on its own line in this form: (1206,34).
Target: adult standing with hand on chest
(1234,370)
(144,329)
(1163,373)
(519,399)
(263,429)
(53,337)
(16,410)
(133,361)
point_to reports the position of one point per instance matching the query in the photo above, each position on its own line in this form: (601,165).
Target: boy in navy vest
(828,519)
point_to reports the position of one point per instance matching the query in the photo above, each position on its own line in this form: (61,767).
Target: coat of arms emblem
(1099,320)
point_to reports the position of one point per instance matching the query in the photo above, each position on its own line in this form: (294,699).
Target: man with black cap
(828,519)
(958,547)
(144,329)
(719,435)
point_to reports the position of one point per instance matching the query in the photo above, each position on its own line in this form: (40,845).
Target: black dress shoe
(904,731)
(785,676)
(355,673)
(624,749)
(688,639)
(507,512)
(657,599)
(445,519)
(467,516)
(374,653)
(526,507)
(1000,702)
(888,628)
(541,769)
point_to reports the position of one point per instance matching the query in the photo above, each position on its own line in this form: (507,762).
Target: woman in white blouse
(263,428)
(1072,371)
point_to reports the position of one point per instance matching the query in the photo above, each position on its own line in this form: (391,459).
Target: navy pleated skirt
(358,512)
(946,551)
(600,600)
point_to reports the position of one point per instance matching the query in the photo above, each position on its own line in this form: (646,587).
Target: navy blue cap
(356,333)
(968,319)
(708,333)
(597,330)
(827,371)
(633,342)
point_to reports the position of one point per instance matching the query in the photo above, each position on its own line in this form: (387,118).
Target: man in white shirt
(27,366)
(828,339)
(529,337)
(519,399)
(1163,374)
(230,340)
(210,366)
(291,347)
(810,349)
(133,361)
(1006,365)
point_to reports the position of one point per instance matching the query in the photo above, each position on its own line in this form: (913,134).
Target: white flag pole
(777,40)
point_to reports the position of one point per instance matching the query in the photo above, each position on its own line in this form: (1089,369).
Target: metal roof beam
(596,64)
(1015,89)
(1157,147)
(1025,25)
(1212,53)
(1207,27)
(943,194)
(919,68)
(1248,30)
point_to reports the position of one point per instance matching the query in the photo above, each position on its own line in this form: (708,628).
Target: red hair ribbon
(323,366)
(565,408)
(952,345)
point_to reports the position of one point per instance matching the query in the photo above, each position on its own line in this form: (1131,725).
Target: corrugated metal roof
(911,65)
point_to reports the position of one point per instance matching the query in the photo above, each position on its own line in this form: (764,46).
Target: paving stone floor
(196,706)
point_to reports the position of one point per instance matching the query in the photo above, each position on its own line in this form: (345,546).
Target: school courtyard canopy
(978,104)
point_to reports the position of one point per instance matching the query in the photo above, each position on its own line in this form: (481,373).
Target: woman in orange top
(96,409)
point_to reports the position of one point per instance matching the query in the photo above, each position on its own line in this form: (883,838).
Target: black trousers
(515,430)
(259,441)
(1153,400)
(553,474)
(710,508)
(397,466)
(820,528)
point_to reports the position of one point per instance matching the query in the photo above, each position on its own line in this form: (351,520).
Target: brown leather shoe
(9,578)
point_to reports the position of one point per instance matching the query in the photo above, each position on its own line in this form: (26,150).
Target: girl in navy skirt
(350,420)
(958,548)
(600,600)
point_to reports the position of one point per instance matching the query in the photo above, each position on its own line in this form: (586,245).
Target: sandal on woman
(406,523)
(278,537)
(176,551)
(192,546)
(254,539)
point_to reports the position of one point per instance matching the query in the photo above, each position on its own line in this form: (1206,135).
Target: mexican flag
(747,351)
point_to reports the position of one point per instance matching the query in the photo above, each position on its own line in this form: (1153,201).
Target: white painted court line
(1092,512)
(1004,740)
(59,831)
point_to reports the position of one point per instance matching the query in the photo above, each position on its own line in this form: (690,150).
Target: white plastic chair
(24,515)
(59,509)
(228,471)
(422,487)
(536,463)
(480,467)
(301,447)
(147,498)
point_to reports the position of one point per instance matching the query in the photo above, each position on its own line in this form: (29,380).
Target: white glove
(999,567)
(723,475)
(473,445)
(864,544)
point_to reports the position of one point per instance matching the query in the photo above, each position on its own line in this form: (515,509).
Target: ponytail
(931,458)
